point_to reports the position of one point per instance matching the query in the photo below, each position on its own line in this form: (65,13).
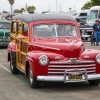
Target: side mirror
(99,16)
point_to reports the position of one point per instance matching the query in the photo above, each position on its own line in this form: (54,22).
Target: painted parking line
(17,76)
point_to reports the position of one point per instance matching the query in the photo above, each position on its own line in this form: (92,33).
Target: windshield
(93,14)
(5,25)
(54,30)
(83,14)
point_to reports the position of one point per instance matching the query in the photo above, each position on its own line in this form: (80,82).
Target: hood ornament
(71,42)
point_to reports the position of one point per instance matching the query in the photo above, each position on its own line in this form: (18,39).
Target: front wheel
(89,39)
(94,82)
(32,80)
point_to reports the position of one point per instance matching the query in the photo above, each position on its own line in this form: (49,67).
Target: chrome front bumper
(61,78)
(4,43)
(66,79)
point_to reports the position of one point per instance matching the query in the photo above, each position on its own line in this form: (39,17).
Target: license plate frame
(75,76)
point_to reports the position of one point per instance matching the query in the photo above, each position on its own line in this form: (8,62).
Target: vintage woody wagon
(48,47)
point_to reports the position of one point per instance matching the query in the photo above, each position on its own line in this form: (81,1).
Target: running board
(20,69)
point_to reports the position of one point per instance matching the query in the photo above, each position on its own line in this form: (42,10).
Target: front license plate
(75,76)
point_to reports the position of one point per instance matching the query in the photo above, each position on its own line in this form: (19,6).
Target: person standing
(99,33)
(95,32)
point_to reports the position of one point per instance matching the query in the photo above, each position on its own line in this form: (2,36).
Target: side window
(13,27)
(19,28)
(25,30)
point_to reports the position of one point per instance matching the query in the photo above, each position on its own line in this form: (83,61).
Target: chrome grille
(58,68)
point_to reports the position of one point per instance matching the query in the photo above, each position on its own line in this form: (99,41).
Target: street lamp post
(49,7)
(11,2)
(11,8)
(56,5)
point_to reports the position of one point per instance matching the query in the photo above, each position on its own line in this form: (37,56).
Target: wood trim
(23,67)
(27,27)
(19,21)
(23,53)
(13,20)
(20,54)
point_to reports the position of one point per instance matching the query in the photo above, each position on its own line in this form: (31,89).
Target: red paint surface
(66,51)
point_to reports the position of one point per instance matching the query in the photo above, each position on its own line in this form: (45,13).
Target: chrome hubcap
(31,76)
(12,67)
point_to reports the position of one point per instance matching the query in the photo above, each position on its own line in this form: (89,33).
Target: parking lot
(15,87)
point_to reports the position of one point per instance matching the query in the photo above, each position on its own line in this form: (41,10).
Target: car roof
(5,21)
(39,17)
(95,8)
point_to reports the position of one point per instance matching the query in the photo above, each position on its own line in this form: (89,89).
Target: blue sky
(43,5)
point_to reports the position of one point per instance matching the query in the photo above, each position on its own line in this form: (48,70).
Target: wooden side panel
(23,57)
(24,47)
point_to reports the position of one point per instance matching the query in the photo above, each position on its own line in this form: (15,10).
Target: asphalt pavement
(16,87)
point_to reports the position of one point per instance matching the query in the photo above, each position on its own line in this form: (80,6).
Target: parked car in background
(84,33)
(4,32)
(94,14)
(82,16)
(51,49)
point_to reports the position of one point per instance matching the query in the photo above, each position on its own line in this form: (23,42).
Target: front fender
(91,55)
(37,69)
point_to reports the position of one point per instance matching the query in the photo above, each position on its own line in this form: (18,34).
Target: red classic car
(48,47)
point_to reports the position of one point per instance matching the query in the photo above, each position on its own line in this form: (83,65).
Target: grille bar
(93,68)
(92,71)
(77,62)
(58,68)
(73,66)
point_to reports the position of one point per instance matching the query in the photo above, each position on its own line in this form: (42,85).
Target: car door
(22,45)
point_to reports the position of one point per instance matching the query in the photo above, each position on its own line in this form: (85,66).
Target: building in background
(3,15)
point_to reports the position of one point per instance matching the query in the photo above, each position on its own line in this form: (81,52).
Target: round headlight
(43,60)
(98,58)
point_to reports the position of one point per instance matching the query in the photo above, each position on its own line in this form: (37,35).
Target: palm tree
(31,9)
(11,2)
(22,10)
(16,11)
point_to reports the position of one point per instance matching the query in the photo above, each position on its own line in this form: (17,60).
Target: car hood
(68,47)
(90,22)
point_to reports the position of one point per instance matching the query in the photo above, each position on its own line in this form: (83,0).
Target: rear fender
(11,48)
